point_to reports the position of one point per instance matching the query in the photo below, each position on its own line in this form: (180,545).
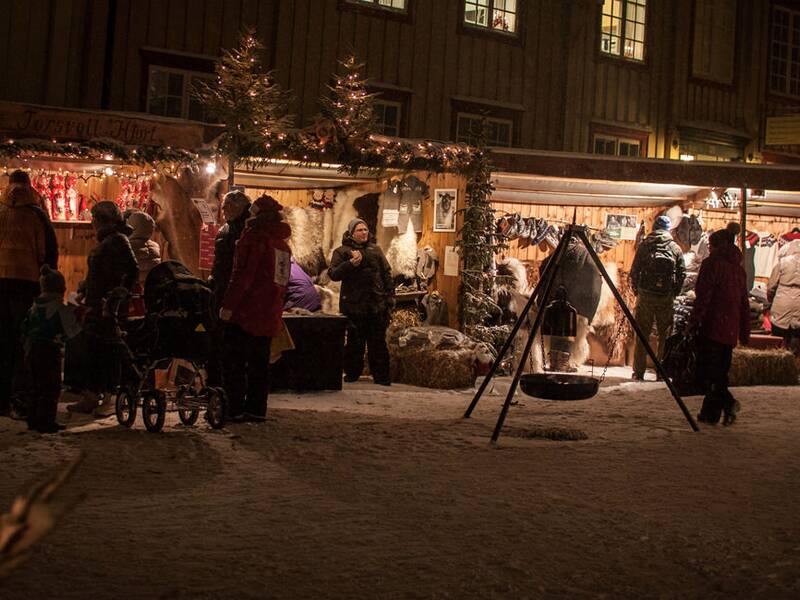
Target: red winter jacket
(721,309)
(260,274)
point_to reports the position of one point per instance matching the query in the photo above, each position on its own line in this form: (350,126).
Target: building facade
(704,79)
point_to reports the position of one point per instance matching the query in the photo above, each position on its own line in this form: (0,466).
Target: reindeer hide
(606,310)
(342,213)
(306,240)
(402,253)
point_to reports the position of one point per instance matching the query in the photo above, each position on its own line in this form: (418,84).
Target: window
(494,15)
(170,93)
(388,117)
(784,72)
(714,42)
(398,5)
(622,28)
(499,132)
(616,146)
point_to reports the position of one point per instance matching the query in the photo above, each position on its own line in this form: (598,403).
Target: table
(316,362)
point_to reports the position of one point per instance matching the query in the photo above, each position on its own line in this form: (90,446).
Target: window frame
(617,58)
(194,64)
(619,134)
(708,79)
(489,118)
(373,9)
(186,95)
(391,94)
(794,10)
(401,113)
(516,38)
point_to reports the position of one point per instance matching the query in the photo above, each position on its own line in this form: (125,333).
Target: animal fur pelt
(516,269)
(306,240)
(606,312)
(335,225)
(329,298)
(402,253)
(605,332)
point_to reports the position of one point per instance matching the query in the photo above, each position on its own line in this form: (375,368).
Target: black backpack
(658,271)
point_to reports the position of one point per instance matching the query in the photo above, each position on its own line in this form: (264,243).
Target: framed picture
(444,210)
(621,226)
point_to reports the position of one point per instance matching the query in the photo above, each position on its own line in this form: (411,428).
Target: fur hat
(265,205)
(662,223)
(351,226)
(51,281)
(142,224)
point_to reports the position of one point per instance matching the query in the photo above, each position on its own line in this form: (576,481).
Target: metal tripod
(544,286)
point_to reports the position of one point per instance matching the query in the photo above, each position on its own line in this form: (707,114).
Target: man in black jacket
(366,298)
(657,277)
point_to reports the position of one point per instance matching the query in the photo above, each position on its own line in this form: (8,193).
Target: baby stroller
(179,323)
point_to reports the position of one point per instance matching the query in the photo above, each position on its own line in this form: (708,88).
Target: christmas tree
(247,100)
(350,107)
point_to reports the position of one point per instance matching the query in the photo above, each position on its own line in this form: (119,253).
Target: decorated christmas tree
(349,107)
(247,100)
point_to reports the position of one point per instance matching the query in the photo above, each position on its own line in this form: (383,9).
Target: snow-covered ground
(378,492)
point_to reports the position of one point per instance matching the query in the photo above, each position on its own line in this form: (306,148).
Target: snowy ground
(379,492)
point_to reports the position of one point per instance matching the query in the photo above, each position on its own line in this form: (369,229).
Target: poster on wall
(444,210)
(621,227)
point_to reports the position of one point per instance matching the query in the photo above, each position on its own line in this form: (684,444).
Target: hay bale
(402,318)
(762,367)
(441,369)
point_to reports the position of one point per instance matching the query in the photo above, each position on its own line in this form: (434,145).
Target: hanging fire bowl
(559,386)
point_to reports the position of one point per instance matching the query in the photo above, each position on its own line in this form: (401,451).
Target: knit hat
(719,238)
(107,212)
(351,226)
(264,205)
(662,222)
(237,197)
(142,224)
(51,281)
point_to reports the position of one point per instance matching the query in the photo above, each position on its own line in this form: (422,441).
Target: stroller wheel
(125,407)
(154,409)
(188,416)
(217,408)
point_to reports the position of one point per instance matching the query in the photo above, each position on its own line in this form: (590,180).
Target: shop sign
(783,131)
(30,121)
(207,235)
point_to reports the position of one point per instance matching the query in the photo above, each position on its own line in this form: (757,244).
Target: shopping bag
(280,344)
(680,364)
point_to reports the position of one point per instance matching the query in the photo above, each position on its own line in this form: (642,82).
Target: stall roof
(537,177)
(288,175)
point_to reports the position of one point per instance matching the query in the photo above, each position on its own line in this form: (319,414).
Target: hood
(142,224)
(18,194)
(662,236)
(729,253)
(790,249)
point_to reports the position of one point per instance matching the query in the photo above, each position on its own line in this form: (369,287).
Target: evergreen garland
(247,100)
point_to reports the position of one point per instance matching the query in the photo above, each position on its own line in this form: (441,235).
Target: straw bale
(402,318)
(442,369)
(751,366)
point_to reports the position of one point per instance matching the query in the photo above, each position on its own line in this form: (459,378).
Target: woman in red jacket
(722,318)
(252,308)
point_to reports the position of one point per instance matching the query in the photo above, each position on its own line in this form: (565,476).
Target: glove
(225,314)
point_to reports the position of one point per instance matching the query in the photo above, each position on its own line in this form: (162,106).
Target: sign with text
(207,235)
(783,131)
(27,120)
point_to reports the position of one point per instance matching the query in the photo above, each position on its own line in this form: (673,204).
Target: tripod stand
(544,286)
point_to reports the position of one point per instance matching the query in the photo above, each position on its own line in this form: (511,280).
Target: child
(48,324)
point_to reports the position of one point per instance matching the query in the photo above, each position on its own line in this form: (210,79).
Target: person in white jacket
(783,292)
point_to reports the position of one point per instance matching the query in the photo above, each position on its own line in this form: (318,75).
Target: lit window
(714,40)
(170,93)
(784,72)
(616,146)
(496,15)
(499,132)
(387,4)
(622,28)
(387,117)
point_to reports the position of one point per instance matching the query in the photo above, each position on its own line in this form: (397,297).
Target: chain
(613,345)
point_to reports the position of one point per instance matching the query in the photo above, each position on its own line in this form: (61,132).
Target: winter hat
(51,281)
(719,238)
(237,197)
(351,226)
(107,212)
(265,205)
(733,228)
(662,223)
(142,224)
(19,177)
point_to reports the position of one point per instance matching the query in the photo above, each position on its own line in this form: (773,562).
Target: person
(252,308)
(112,272)
(783,294)
(721,317)
(656,277)
(27,241)
(366,299)
(301,293)
(48,324)
(583,283)
(235,207)
(146,251)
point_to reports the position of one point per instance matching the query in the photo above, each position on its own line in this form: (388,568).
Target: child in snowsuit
(48,324)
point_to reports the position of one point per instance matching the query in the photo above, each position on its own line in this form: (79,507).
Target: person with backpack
(657,277)
(27,241)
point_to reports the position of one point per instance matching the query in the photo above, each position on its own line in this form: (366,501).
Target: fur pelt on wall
(336,220)
(606,310)
(402,253)
(515,268)
(306,240)
(607,331)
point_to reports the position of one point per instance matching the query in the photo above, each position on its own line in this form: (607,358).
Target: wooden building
(692,78)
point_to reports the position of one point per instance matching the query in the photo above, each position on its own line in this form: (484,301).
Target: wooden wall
(593,216)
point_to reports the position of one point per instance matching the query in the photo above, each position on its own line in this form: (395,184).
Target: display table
(764,341)
(316,361)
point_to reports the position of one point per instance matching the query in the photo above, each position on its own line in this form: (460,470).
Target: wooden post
(743,219)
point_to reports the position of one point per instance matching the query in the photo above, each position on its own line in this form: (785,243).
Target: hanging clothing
(766,254)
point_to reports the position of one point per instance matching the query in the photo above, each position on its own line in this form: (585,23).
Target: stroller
(179,323)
